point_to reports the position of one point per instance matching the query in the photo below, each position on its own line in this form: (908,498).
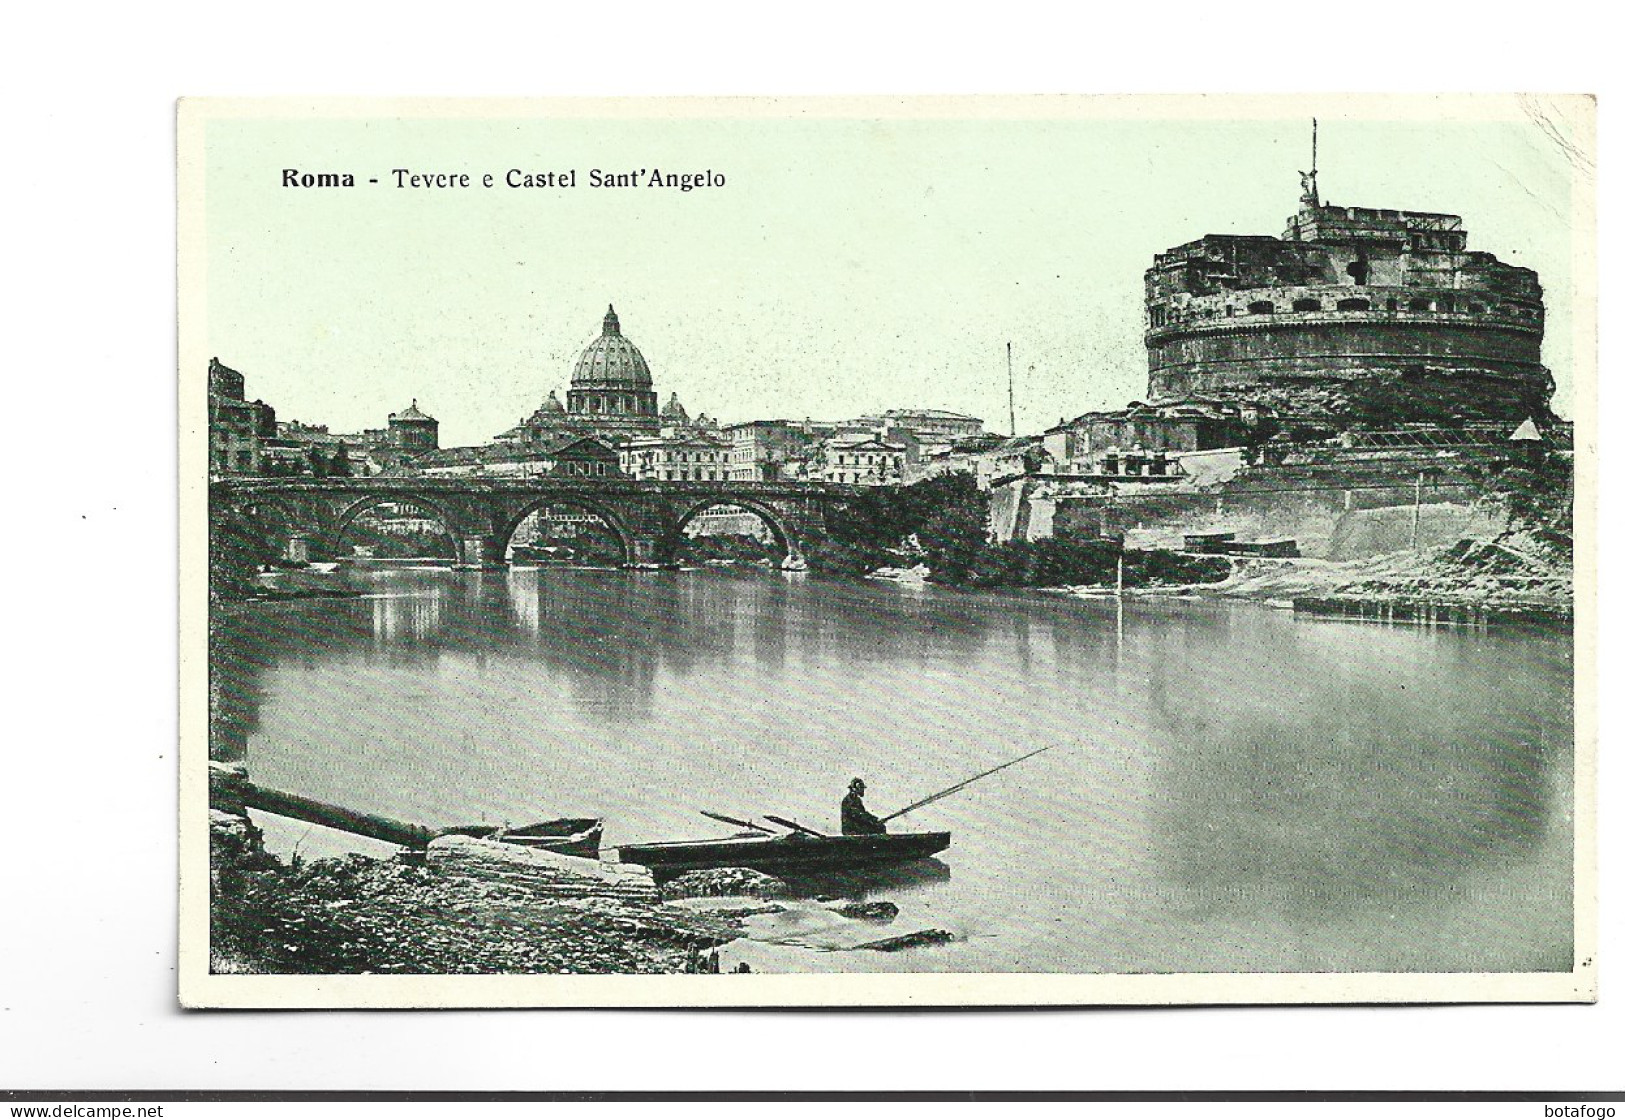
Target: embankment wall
(1331,513)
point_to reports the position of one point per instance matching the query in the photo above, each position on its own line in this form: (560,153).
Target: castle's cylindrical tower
(1346,294)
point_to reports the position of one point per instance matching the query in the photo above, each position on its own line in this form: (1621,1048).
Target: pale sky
(849,265)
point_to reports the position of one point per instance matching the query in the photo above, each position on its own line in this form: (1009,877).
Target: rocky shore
(464,909)
(1498,576)
(468,905)
(1502,580)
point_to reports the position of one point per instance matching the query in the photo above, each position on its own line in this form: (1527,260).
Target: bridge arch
(612,521)
(350,514)
(276,516)
(784,538)
(274,521)
(240,543)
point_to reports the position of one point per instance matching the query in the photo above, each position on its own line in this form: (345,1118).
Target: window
(1421,305)
(1261,307)
(1354,305)
(1306,305)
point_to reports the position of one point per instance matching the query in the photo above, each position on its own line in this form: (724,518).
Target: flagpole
(1010,376)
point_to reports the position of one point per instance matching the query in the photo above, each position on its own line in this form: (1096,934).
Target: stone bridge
(299,515)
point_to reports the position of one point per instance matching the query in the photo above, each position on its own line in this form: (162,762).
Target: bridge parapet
(406,485)
(482,514)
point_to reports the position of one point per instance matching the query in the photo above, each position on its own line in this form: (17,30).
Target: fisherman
(855,819)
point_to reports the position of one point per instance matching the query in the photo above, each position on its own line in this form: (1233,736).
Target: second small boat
(571,836)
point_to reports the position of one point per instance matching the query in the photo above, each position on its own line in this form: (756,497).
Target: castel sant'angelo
(1353,314)
(1365,359)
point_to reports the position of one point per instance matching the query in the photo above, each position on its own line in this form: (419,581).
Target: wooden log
(333,816)
(226,782)
(230,791)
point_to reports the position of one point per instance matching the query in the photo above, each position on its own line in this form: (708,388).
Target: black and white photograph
(1001,551)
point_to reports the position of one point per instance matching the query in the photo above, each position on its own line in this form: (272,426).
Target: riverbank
(1470,573)
(358,914)
(478,906)
(1470,581)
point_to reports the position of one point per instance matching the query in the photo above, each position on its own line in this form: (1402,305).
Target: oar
(956,788)
(792,824)
(752,825)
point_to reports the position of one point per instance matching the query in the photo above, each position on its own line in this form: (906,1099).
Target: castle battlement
(1346,292)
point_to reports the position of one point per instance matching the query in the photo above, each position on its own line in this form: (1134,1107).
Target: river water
(1234,789)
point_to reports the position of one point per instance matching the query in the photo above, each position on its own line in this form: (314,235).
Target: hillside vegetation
(943,524)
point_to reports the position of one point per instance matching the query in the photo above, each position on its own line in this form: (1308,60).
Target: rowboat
(791,852)
(569,836)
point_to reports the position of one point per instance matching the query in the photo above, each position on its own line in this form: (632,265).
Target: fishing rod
(956,788)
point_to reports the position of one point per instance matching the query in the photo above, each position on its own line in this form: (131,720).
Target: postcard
(892,552)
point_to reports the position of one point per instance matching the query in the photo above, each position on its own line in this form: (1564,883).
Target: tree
(947,515)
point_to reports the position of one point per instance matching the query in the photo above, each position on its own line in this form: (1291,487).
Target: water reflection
(1318,804)
(861,883)
(1232,788)
(405,619)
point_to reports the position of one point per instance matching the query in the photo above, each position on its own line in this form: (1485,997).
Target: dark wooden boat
(568,836)
(791,852)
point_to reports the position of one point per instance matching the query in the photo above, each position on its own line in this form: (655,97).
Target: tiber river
(1234,788)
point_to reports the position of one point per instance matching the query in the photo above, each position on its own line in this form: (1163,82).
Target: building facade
(927,425)
(567,454)
(687,458)
(238,428)
(301,448)
(413,431)
(772,450)
(1110,442)
(860,460)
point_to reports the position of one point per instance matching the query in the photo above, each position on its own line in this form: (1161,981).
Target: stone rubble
(879,911)
(725,881)
(909,941)
(466,910)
